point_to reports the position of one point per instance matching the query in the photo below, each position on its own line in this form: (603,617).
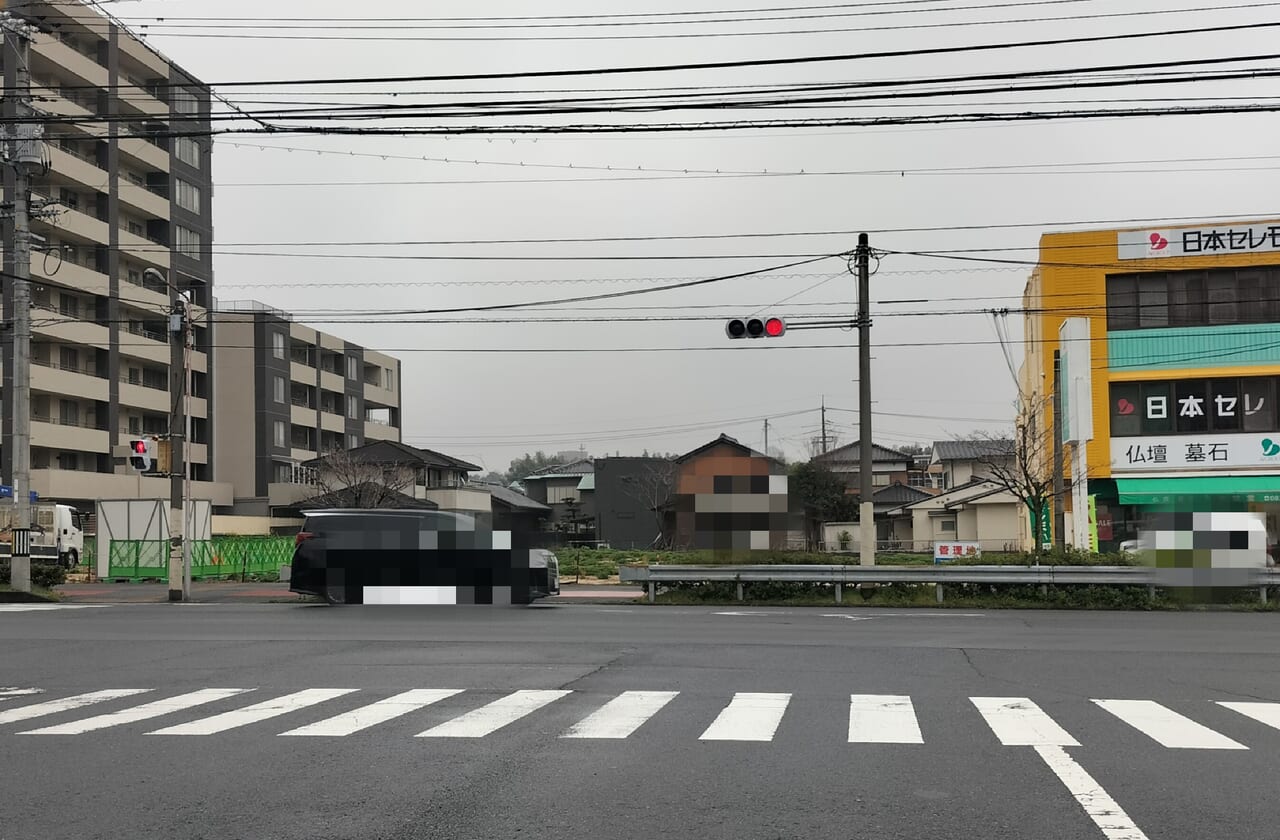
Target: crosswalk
(738,717)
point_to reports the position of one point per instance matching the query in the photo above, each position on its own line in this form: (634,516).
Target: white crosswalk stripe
(256,713)
(1268,713)
(746,717)
(66,704)
(1018,722)
(883,719)
(143,712)
(622,715)
(749,717)
(1168,728)
(492,717)
(376,713)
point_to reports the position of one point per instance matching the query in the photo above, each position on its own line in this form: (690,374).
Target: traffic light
(755,327)
(140,455)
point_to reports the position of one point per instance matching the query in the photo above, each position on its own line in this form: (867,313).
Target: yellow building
(1184,347)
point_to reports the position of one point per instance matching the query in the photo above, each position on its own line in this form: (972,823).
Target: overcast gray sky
(490,407)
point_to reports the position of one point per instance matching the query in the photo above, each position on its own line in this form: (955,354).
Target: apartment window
(69,460)
(184,101)
(69,198)
(69,305)
(69,412)
(135,425)
(281,434)
(188,242)
(353,441)
(187,150)
(353,407)
(283,473)
(69,358)
(279,389)
(187,196)
(135,228)
(277,345)
(389,379)
(353,368)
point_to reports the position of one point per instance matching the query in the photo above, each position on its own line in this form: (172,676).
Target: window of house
(187,241)
(281,434)
(879,479)
(947,526)
(187,150)
(187,196)
(279,389)
(277,345)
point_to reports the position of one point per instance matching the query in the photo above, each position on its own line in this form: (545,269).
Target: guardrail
(939,575)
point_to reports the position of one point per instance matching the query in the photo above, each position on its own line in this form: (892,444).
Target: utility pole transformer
(866,510)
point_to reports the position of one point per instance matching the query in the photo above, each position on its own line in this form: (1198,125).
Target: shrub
(44,575)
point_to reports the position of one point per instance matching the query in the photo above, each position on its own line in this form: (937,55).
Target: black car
(417,557)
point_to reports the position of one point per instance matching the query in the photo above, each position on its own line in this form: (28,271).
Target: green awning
(1155,491)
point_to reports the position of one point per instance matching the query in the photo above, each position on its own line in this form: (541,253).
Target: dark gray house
(569,490)
(630,494)
(514,511)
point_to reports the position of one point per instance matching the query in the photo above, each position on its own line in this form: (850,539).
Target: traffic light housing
(755,328)
(164,457)
(140,452)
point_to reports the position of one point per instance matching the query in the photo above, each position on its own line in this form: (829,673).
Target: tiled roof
(899,494)
(515,500)
(582,466)
(726,440)
(851,453)
(972,450)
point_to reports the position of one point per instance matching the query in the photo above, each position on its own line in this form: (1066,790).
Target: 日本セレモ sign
(1199,241)
(1194,452)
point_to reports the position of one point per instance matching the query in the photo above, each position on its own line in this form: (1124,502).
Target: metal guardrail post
(839,593)
(653,591)
(937,591)
(740,590)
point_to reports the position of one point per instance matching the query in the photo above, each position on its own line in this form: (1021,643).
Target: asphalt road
(397,722)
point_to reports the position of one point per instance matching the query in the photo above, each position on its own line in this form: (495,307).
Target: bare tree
(652,487)
(1023,463)
(361,483)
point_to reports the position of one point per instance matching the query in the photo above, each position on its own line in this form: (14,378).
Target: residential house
(893,520)
(960,461)
(980,511)
(516,512)
(888,466)
(730,497)
(926,475)
(629,497)
(569,491)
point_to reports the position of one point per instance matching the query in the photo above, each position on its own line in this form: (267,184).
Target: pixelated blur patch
(1201,553)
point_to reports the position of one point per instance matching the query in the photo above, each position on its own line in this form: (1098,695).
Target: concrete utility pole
(1059,480)
(179,433)
(866,511)
(824,425)
(766,438)
(22,151)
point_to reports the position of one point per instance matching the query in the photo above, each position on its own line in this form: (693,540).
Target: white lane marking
(46,607)
(622,715)
(66,704)
(1167,727)
(1105,812)
(850,617)
(144,712)
(491,717)
(14,691)
(746,613)
(883,719)
(1018,722)
(748,717)
(265,710)
(1268,713)
(375,713)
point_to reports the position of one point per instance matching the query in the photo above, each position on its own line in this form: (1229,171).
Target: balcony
(330,381)
(142,101)
(301,415)
(302,453)
(75,436)
(140,343)
(48,53)
(145,152)
(302,373)
(77,223)
(140,396)
(333,423)
(82,382)
(142,55)
(140,198)
(78,277)
(77,168)
(460,499)
(380,431)
(68,330)
(145,250)
(55,103)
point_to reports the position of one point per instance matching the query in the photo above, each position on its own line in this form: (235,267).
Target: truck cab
(57,533)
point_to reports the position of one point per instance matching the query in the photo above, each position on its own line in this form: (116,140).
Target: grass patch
(37,595)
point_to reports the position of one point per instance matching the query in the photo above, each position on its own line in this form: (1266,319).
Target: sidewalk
(226,592)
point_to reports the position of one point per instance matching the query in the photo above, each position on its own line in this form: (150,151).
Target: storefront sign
(1195,452)
(1194,406)
(1198,241)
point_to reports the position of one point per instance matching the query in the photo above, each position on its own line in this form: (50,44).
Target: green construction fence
(221,557)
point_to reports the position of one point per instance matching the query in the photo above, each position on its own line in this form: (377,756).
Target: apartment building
(286,393)
(131,196)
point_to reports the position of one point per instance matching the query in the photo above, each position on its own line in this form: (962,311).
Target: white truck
(57,533)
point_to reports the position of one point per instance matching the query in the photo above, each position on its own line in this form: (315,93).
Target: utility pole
(179,434)
(766,437)
(22,150)
(1059,480)
(824,424)
(866,510)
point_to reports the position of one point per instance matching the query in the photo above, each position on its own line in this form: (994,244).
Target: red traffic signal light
(140,455)
(755,327)
(140,447)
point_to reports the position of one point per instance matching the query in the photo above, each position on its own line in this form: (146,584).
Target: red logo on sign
(1125,407)
(1158,242)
